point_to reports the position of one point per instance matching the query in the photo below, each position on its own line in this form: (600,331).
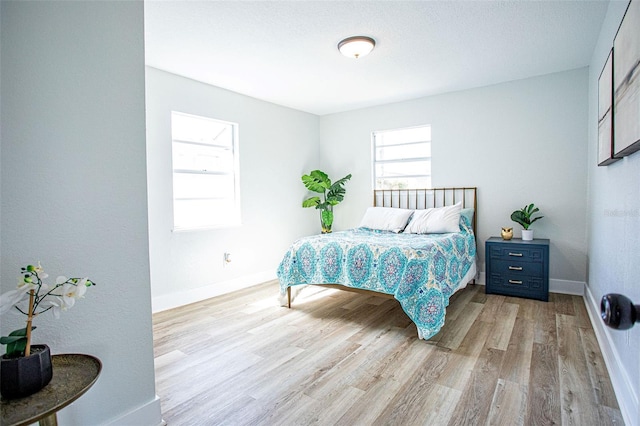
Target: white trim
(575,288)
(622,386)
(148,414)
(181,298)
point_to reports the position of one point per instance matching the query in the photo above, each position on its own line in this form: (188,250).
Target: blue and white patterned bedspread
(420,271)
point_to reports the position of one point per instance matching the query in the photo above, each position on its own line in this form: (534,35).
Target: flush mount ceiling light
(356,47)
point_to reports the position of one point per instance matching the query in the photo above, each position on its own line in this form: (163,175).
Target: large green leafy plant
(524,215)
(332,194)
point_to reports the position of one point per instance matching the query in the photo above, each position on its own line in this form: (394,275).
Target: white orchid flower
(11,298)
(41,272)
(58,306)
(71,292)
(81,288)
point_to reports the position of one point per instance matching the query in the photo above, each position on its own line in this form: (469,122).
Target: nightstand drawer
(516,268)
(522,286)
(527,254)
(513,281)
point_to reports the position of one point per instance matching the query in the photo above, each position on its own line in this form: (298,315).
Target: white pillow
(386,218)
(438,220)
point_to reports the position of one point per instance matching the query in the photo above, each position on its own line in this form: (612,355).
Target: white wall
(614,235)
(518,142)
(0,145)
(74,189)
(277,146)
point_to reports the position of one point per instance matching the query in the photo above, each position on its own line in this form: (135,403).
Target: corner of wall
(145,415)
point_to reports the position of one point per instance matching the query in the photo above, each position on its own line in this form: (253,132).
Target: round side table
(73,375)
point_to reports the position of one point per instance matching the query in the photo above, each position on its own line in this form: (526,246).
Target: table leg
(50,420)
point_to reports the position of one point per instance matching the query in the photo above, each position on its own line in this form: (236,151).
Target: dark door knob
(618,311)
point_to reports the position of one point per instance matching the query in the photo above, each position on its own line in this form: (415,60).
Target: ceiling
(285,52)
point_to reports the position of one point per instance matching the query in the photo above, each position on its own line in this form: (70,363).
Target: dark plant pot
(23,376)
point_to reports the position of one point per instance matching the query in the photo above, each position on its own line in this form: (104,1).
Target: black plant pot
(23,376)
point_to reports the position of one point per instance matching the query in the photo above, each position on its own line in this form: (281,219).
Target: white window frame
(376,161)
(232,215)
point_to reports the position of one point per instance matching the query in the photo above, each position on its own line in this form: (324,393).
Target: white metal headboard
(419,199)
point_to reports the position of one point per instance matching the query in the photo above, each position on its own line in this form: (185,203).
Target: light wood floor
(349,359)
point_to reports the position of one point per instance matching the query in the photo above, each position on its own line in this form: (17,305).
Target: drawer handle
(515,254)
(515,268)
(515,282)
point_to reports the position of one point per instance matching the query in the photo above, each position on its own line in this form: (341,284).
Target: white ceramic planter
(527,234)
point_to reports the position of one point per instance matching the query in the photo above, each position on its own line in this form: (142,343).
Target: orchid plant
(40,298)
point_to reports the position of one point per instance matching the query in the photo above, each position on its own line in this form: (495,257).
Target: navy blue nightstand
(517,268)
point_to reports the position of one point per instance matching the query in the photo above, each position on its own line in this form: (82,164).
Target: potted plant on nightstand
(333,194)
(524,218)
(26,368)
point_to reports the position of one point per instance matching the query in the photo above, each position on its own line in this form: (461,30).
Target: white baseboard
(148,414)
(555,286)
(575,288)
(620,379)
(181,298)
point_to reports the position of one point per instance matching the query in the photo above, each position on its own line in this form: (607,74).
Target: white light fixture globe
(356,47)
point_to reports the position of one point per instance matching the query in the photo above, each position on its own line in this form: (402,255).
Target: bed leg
(289,297)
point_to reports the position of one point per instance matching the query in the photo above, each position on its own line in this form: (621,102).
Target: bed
(415,245)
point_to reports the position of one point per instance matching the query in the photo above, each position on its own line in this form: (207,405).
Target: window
(205,172)
(402,158)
